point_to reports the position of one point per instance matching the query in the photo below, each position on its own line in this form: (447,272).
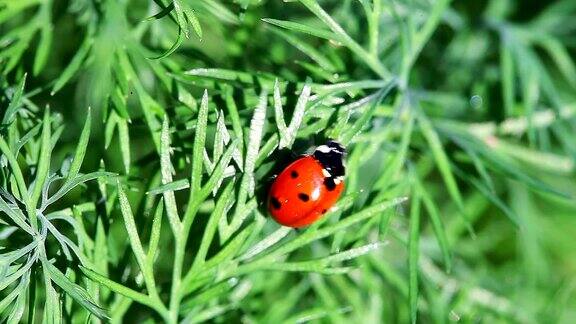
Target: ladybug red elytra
(308,187)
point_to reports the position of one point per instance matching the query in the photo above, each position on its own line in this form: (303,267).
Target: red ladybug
(308,187)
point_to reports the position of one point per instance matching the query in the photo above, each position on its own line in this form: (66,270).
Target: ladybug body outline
(308,187)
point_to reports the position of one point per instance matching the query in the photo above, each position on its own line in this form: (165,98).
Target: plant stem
(177,278)
(181,238)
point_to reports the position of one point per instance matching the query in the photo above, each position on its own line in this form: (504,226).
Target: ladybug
(308,187)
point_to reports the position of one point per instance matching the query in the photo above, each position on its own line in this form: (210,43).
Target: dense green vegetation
(138,139)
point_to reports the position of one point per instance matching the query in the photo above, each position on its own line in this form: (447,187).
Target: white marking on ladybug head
(337,180)
(323,149)
(325,173)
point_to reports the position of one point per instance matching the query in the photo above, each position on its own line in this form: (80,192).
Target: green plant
(465,109)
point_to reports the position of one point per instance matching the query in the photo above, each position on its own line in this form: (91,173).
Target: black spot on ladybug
(275,203)
(304,197)
(329,183)
(324,211)
(294,174)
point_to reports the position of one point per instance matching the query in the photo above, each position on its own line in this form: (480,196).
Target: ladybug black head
(331,156)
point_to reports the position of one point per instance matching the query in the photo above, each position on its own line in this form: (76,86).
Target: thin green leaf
(18,291)
(413,247)
(507,73)
(69,185)
(364,119)
(499,162)
(220,11)
(43,161)
(199,143)
(73,290)
(22,271)
(492,196)
(309,50)
(155,235)
(209,294)
(372,61)
(133,236)
(26,138)
(218,174)
(236,126)
(443,165)
(561,57)
(318,265)
(310,236)
(222,74)
(15,102)
(122,290)
(74,66)
(399,159)
(266,243)
(46,33)
(222,206)
(166,168)
(225,254)
(437,225)
(165,11)
(109,128)
(181,17)
(173,48)
(80,148)
(16,215)
(255,137)
(171,186)
(278,111)
(124,138)
(288,139)
(193,19)
(135,242)
(206,314)
(297,27)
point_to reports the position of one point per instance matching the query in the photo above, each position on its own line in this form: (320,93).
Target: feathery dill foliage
(153,210)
